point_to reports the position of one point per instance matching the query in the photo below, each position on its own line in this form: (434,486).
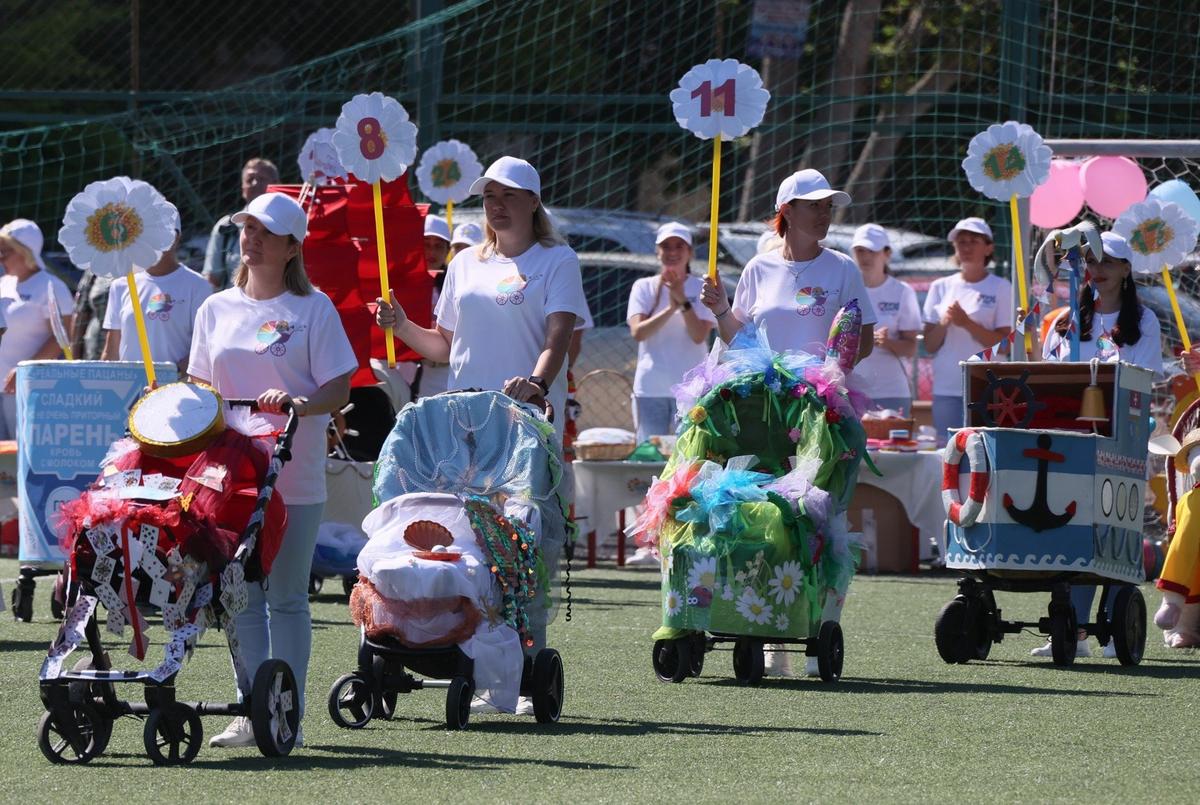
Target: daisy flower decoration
(446,171)
(374,138)
(721,96)
(318,160)
(1006,160)
(116,226)
(1160,234)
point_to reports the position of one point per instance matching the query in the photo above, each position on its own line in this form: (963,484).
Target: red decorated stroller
(178,526)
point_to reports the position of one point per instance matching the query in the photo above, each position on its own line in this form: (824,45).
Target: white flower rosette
(446,171)
(116,226)
(318,160)
(1159,234)
(721,96)
(374,138)
(1006,160)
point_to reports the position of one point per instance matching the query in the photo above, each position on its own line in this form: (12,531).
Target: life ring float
(965,442)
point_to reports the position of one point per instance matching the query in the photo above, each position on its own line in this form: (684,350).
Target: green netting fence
(881,96)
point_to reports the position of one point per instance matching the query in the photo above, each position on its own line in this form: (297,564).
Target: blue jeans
(276,623)
(947,413)
(8,416)
(901,404)
(653,416)
(1082,596)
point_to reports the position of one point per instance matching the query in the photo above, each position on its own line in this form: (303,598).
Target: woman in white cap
(509,307)
(796,291)
(882,375)
(465,236)
(671,330)
(171,296)
(964,313)
(434,376)
(25,292)
(1134,330)
(275,338)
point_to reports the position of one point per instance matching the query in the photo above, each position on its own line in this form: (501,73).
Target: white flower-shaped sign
(1160,234)
(1006,160)
(318,158)
(722,97)
(374,138)
(115,226)
(446,171)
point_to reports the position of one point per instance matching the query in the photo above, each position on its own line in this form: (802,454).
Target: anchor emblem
(1038,516)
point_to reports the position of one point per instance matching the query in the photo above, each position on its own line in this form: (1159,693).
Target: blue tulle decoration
(717,492)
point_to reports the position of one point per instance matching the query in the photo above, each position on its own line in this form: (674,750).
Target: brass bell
(1092,408)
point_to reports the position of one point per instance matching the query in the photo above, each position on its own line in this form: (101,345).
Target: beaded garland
(510,547)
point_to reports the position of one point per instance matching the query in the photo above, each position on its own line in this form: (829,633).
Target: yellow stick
(1183,333)
(1019,270)
(384,291)
(140,320)
(712,221)
(450,216)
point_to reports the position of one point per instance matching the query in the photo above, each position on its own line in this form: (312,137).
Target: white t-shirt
(169,305)
(1146,353)
(497,310)
(797,301)
(244,346)
(988,303)
(25,309)
(882,373)
(665,356)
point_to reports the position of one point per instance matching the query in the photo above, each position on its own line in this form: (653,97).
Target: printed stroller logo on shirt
(273,336)
(511,288)
(888,307)
(987,300)
(811,300)
(160,306)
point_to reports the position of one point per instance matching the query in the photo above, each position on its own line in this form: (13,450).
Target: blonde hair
(295,278)
(20,248)
(543,232)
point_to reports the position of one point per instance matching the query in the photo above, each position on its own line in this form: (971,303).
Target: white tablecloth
(604,488)
(914,479)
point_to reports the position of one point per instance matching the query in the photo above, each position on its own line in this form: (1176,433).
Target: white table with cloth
(915,481)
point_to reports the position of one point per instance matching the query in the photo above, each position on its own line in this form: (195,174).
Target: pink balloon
(1112,184)
(1058,200)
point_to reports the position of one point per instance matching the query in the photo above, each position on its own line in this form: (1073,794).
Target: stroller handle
(539,402)
(279,456)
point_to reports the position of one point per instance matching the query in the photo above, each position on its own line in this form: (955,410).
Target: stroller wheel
(351,702)
(458,703)
(697,647)
(1063,634)
(748,660)
(673,659)
(274,708)
(385,699)
(548,686)
(830,651)
(315,583)
(951,632)
(172,735)
(1129,625)
(69,734)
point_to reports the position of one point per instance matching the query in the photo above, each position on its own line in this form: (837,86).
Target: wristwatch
(540,383)
(687,304)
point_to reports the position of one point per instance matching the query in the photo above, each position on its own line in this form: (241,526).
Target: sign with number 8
(373,142)
(374,138)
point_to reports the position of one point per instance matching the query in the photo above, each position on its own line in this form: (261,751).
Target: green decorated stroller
(749,513)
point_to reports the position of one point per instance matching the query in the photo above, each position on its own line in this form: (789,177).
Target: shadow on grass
(620,727)
(598,604)
(890,686)
(1155,669)
(25,645)
(651,581)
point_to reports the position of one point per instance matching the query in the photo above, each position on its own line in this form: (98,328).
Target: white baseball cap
(28,234)
(673,229)
(1116,246)
(511,172)
(437,228)
(280,214)
(810,185)
(467,235)
(871,236)
(972,224)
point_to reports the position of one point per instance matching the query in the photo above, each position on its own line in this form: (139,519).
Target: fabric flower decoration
(1006,160)
(1159,234)
(718,492)
(117,225)
(318,160)
(446,171)
(659,497)
(753,607)
(701,379)
(374,138)
(719,97)
(697,415)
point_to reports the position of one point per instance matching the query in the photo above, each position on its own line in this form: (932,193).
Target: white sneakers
(643,556)
(525,706)
(776,662)
(238,733)
(483,707)
(812,668)
(1081,649)
(1110,650)
(241,733)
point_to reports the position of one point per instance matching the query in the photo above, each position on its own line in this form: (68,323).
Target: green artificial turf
(900,726)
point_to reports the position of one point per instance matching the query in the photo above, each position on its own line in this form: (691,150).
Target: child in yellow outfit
(1180,577)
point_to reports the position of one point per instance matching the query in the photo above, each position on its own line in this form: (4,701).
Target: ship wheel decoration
(1007,402)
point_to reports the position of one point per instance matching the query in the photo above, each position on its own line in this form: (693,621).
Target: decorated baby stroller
(182,517)
(749,513)
(1044,489)
(456,580)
